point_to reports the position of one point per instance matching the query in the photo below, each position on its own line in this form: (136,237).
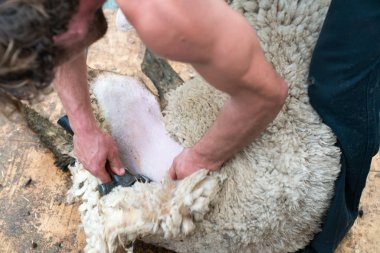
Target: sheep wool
(270,197)
(167,209)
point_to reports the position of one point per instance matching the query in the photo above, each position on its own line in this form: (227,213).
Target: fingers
(102,168)
(99,155)
(96,167)
(98,170)
(115,163)
(103,175)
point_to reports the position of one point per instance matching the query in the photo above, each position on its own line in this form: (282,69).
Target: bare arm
(225,50)
(92,146)
(257,92)
(71,85)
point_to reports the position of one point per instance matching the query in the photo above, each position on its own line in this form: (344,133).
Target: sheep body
(276,190)
(279,187)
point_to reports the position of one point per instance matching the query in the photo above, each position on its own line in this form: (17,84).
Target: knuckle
(176,161)
(77,152)
(94,169)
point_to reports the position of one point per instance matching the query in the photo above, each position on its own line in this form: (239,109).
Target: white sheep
(270,197)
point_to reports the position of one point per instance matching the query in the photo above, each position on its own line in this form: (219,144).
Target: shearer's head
(38,35)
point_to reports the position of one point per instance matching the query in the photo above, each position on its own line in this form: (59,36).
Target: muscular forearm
(92,146)
(237,66)
(238,124)
(245,115)
(71,85)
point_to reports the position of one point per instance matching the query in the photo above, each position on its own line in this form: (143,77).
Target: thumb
(116,164)
(103,176)
(98,169)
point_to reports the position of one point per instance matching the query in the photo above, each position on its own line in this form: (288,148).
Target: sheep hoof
(64,161)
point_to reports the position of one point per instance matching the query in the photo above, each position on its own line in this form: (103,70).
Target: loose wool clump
(166,209)
(270,197)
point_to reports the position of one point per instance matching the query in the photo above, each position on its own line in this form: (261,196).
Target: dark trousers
(345,91)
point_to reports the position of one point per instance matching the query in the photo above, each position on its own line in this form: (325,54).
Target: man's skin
(218,42)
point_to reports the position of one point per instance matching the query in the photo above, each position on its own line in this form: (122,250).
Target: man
(345,66)
(210,46)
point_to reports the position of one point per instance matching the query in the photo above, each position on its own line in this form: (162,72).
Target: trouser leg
(345,91)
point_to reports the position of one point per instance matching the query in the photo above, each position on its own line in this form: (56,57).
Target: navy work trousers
(345,91)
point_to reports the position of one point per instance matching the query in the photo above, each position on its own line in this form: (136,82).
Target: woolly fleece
(277,189)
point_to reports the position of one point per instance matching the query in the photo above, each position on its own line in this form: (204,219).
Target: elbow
(277,97)
(272,104)
(271,99)
(281,94)
(272,95)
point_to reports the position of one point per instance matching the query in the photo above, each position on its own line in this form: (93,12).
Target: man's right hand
(98,153)
(95,149)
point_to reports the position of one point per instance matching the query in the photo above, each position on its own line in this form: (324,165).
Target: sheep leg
(161,74)
(52,136)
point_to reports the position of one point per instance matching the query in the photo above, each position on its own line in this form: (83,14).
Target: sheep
(145,146)
(270,197)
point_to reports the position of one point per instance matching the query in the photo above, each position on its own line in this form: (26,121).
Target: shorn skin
(270,197)
(143,142)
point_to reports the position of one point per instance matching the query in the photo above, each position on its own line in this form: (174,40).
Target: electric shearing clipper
(127,180)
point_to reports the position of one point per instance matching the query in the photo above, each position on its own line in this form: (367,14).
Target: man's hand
(98,153)
(190,161)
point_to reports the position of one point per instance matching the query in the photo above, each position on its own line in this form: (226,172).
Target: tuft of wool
(166,209)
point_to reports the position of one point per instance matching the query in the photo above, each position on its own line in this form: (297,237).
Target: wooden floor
(34,216)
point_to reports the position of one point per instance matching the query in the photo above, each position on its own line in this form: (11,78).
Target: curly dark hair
(28,56)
